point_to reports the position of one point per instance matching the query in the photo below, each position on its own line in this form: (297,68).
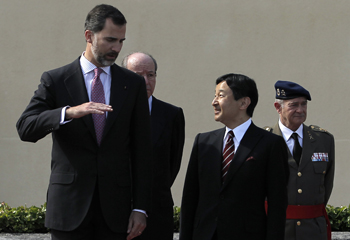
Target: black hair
(241,86)
(96,18)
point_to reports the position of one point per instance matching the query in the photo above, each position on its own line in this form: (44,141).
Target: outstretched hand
(87,108)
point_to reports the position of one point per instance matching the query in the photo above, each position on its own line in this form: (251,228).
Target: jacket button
(298,223)
(299,174)
(300,191)
(324,172)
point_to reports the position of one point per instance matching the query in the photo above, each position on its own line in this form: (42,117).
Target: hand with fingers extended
(137,223)
(87,108)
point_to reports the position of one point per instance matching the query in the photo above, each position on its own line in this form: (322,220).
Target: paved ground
(32,236)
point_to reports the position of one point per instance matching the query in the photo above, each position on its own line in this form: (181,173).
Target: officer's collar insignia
(310,136)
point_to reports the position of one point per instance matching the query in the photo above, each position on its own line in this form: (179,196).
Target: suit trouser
(93,227)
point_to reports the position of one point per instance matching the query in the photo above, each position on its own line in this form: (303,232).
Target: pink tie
(227,155)
(98,95)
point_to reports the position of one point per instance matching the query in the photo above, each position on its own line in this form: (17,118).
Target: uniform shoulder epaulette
(317,128)
(267,128)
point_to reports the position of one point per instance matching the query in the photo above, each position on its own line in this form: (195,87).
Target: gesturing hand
(87,108)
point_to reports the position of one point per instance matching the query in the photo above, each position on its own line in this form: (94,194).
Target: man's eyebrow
(114,38)
(220,90)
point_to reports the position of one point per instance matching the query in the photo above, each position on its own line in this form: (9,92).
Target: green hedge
(31,219)
(176,219)
(339,217)
(22,219)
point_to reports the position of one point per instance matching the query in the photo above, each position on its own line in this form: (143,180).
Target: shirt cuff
(141,211)
(63,116)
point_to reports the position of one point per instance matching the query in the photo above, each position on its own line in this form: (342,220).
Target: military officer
(311,164)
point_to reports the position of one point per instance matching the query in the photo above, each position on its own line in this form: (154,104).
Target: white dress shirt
(150,104)
(239,132)
(287,135)
(88,72)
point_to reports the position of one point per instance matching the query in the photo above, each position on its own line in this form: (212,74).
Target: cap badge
(283,93)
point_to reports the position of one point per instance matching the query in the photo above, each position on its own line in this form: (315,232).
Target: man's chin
(106,63)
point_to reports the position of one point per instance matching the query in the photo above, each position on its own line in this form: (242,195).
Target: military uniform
(311,182)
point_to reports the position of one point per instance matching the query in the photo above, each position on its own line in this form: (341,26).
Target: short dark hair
(96,18)
(241,86)
(125,60)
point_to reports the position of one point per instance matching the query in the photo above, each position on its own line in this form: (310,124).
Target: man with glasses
(168,136)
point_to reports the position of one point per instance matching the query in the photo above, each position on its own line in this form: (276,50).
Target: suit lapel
(157,120)
(309,145)
(215,156)
(291,161)
(76,88)
(248,142)
(119,91)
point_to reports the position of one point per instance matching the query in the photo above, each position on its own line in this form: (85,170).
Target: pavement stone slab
(46,236)
(39,236)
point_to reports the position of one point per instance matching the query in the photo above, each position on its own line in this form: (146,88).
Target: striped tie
(227,155)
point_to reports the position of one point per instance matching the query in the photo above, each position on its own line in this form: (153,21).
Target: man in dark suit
(310,162)
(168,136)
(100,179)
(233,170)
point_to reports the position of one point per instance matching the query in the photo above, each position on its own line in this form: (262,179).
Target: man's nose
(117,47)
(300,108)
(214,102)
(146,78)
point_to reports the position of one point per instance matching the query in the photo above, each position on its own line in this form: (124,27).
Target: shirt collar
(150,104)
(287,133)
(88,66)
(240,130)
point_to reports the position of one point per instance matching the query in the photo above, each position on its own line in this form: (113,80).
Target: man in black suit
(233,170)
(168,136)
(100,179)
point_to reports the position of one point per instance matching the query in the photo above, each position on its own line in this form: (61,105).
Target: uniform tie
(98,95)
(296,149)
(228,155)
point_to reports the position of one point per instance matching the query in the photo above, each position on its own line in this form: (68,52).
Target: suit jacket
(235,209)
(313,178)
(168,137)
(120,165)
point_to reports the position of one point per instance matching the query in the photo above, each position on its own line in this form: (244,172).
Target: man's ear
(245,102)
(88,36)
(278,107)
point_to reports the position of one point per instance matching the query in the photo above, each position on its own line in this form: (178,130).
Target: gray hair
(280,102)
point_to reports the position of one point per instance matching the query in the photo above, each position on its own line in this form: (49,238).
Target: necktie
(227,155)
(98,95)
(296,149)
